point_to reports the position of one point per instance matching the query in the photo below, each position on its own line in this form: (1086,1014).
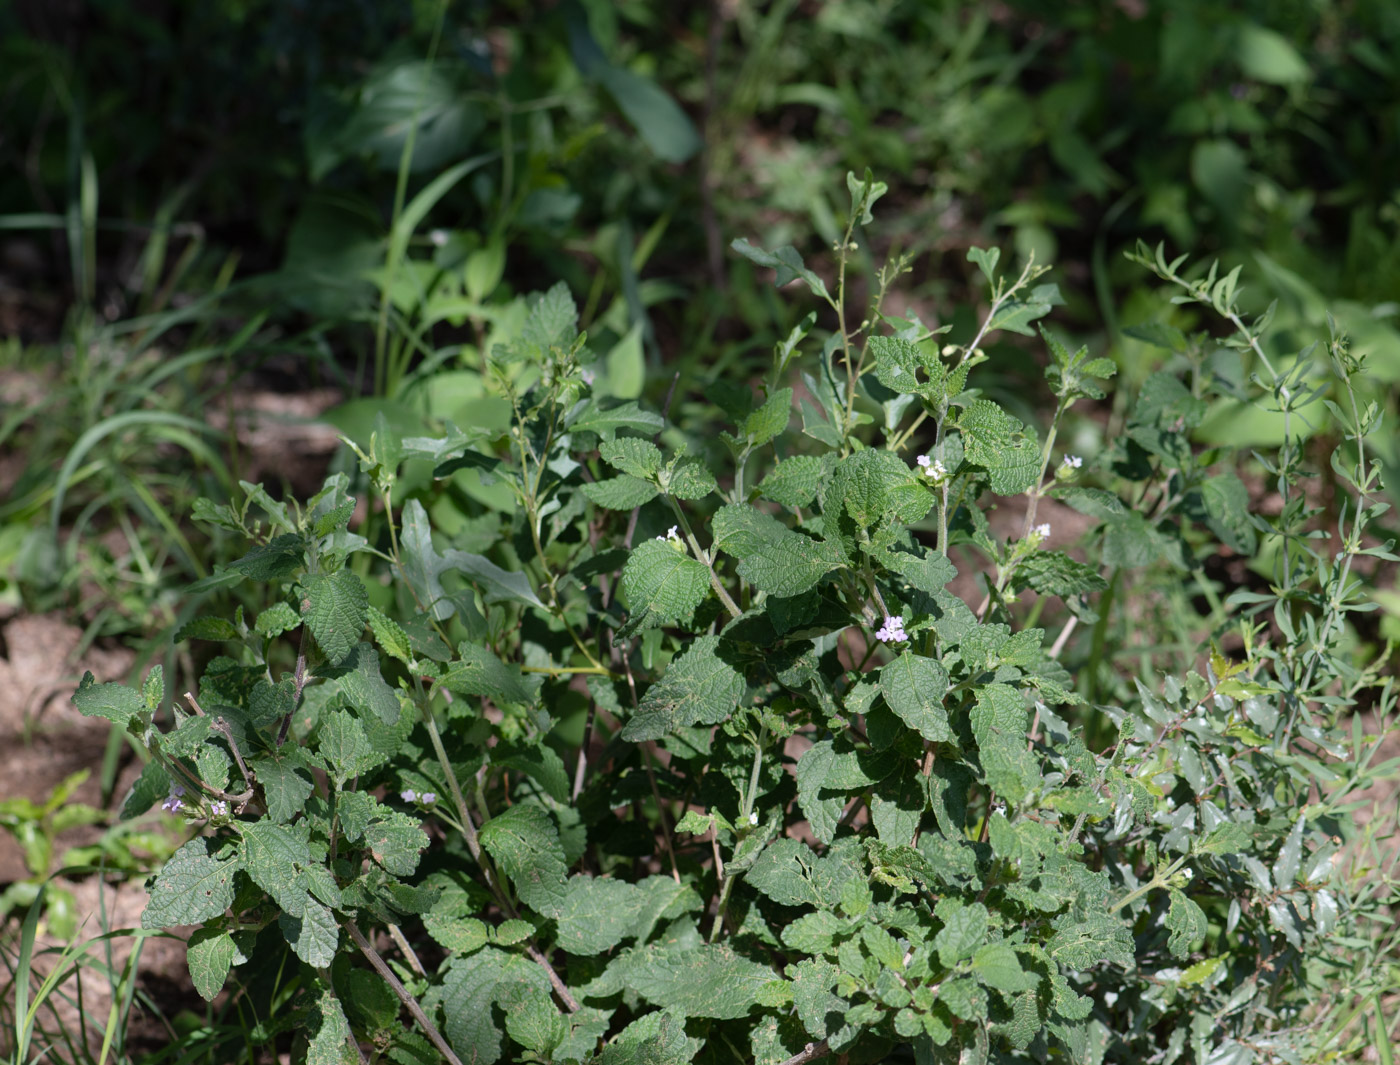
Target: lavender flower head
(893,630)
(408,795)
(218,808)
(428,798)
(172,801)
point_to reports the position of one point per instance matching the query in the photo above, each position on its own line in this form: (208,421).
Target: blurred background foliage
(356,192)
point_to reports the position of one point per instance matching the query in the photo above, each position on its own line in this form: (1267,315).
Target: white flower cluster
(1041,531)
(673,536)
(933,469)
(427,798)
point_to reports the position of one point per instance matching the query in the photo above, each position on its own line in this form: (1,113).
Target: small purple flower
(1042,531)
(428,798)
(587,376)
(893,630)
(408,795)
(172,801)
(218,808)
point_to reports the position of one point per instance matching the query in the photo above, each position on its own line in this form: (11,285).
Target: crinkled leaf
(525,844)
(691,479)
(396,840)
(210,953)
(700,687)
(663,582)
(1001,445)
(770,419)
(623,492)
(996,965)
(790,565)
(285,787)
(633,456)
(115,702)
(606,423)
(335,609)
(193,887)
(313,934)
(739,529)
(1186,924)
(1055,573)
(709,981)
(794,481)
(596,914)
(343,744)
(479,672)
(999,723)
(914,687)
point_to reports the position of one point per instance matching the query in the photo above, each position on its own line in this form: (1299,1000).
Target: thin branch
(560,989)
(429,1029)
(810,1052)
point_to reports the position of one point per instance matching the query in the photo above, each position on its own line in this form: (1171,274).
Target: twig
(222,726)
(1063,638)
(811,1052)
(429,1029)
(661,808)
(560,988)
(396,933)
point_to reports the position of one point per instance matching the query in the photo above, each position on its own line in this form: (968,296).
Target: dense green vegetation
(841,663)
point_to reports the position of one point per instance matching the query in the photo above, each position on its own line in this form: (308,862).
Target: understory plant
(691,753)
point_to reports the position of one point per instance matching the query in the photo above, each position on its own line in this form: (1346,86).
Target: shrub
(663,764)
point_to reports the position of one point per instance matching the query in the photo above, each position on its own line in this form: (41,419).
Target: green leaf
(606,423)
(596,914)
(194,887)
(821,812)
(468,991)
(620,493)
(739,529)
(997,966)
(1002,445)
(313,934)
(477,671)
(926,570)
(700,687)
(1226,501)
(1266,55)
(635,457)
(999,724)
(794,481)
(335,608)
(395,841)
(366,690)
(275,620)
(391,636)
(964,930)
(210,953)
(274,856)
(540,762)
(653,1039)
(864,192)
(495,584)
(1083,944)
(285,788)
(207,629)
(873,485)
(769,420)
(790,565)
(461,935)
(914,687)
(343,744)
(786,262)
(986,260)
(525,844)
(661,581)
(115,702)
(708,981)
(626,363)
(328,1033)
(1186,924)
(532,1019)
(278,558)
(662,124)
(1055,573)
(784,872)
(690,479)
